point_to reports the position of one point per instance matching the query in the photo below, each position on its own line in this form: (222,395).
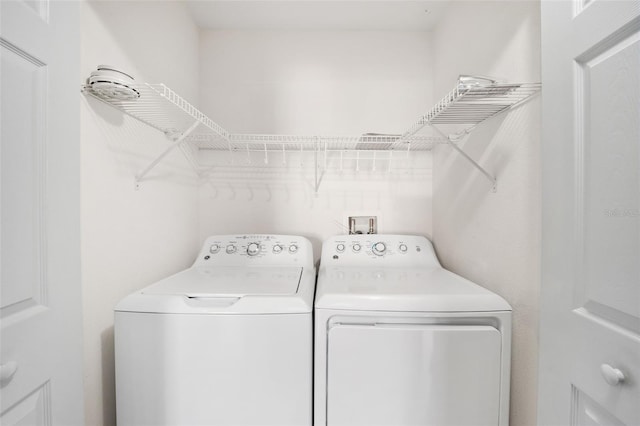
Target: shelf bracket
(318,175)
(176,143)
(451,141)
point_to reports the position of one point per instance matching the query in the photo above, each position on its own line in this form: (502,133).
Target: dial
(277,249)
(253,249)
(214,248)
(293,248)
(356,247)
(231,248)
(340,247)
(379,248)
(403,248)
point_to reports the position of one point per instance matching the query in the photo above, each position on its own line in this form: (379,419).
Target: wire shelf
(165,110)
(260,142)
(192,131)
(471,105)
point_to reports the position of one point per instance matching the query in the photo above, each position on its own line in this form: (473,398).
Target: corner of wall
(494,238)
(130,238)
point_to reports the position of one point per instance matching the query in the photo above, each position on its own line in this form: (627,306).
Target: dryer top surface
(401,275)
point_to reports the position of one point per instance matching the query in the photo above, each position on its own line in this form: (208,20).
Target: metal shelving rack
(191,130)
(164,110)
(470,105)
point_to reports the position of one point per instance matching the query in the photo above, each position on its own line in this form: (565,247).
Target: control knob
(379,248)
(231,249)
(293,248)
(277,249)
(403,248)
(340,248)
(356,247)
(253,249)
(214,248)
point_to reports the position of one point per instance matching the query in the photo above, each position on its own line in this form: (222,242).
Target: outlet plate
(363,224)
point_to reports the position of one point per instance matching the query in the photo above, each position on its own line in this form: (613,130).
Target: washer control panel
(256,249)
(390,250)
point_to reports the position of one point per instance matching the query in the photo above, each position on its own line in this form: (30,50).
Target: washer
(401,341)
(225,342)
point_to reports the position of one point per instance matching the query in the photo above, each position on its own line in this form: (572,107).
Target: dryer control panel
(378,249)
(256,249)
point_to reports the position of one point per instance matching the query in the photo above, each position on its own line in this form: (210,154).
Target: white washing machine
(225,342)
(401,341)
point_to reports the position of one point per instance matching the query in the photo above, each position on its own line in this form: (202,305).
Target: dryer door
(413,374)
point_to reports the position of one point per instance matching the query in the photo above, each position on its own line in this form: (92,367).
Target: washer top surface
(246,274)
(224,281)
(394,273)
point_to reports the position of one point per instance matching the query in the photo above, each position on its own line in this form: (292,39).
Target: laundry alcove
(317,76)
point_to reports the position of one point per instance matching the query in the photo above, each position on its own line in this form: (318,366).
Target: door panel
(40,304)
(413,375)
(587,412)
(590,300)
(23,130)
(608,89)
(33,410)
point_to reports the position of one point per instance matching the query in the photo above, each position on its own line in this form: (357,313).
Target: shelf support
(177,142)
(450,141)
(316,165)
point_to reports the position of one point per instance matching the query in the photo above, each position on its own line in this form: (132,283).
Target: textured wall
(494,238)
(130,238)
(315,82)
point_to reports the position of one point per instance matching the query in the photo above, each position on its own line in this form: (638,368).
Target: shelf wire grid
(302,143)
(471,105)
(163,109)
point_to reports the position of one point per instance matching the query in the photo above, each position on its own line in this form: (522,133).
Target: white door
(40,306)
(413,375)
(590,302)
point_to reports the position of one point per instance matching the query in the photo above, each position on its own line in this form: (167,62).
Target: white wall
(316,82)
(130,238)
(494,238)
(307,82)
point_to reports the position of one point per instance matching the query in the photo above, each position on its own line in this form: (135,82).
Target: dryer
(225,342)
(401,341)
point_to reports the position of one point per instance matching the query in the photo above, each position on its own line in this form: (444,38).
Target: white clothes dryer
(401,341)
(225,342)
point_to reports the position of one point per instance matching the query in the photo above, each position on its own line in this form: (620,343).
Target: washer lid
(229,282)
(401,289)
